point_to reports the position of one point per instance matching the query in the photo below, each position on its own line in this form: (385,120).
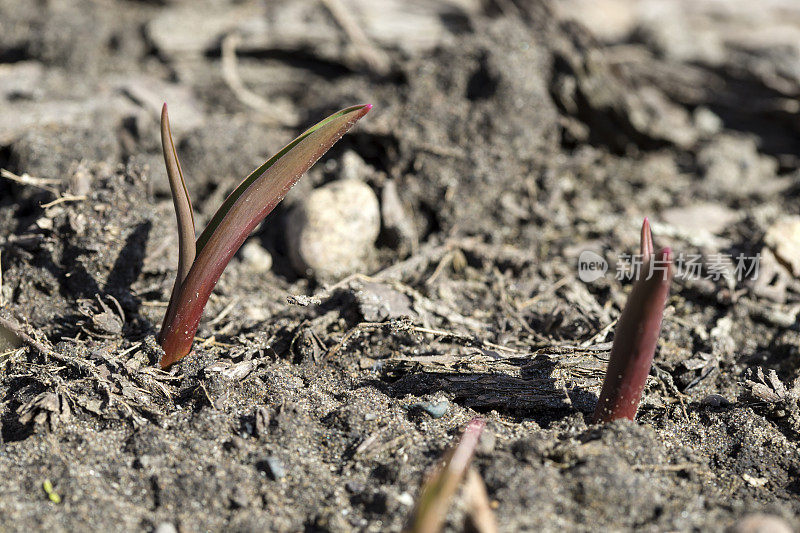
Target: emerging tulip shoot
(201,262)
(440,486)
(636,335)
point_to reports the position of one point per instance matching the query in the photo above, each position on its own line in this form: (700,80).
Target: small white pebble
(165,527)
(761,523)
(331,232)
(256,257)
(406,499)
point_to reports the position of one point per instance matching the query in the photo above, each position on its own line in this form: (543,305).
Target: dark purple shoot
(636,335)
(202,262)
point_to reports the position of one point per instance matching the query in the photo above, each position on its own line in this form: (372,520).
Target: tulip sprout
(636,335)
(201,262)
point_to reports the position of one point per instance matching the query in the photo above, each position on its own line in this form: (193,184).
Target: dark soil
(516,137)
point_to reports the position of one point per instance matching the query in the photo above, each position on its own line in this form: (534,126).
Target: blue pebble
(435,409)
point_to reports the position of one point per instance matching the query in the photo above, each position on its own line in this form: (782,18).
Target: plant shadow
(79,283)
(538,395)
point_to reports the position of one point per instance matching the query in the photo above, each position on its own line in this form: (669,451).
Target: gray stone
(273,467)
(707,217)
(734,165)
(761,523)
(783,237)
(706,121)
(165,527)
(435,409)
(353,167)
(331,232)
(256,257)
(715,400)
(378,302)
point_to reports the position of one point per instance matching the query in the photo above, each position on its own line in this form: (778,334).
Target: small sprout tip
(52,495)
(636,335)
(440,486)
(646,241)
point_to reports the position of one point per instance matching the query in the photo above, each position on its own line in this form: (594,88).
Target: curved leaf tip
(352,113)
(242,211)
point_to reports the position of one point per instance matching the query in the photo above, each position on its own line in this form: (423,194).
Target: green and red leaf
(241,212)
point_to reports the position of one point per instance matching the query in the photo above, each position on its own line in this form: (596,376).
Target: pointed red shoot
(635,340)
(241,212)
(646,242)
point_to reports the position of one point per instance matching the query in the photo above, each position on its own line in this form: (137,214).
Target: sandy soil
(507,137)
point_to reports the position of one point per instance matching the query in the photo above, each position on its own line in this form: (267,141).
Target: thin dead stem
(373,57)
(20,331)
(26,179)
(270,113)
(63,199)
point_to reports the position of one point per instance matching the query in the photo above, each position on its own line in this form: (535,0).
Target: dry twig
(269,113)
(20,331)
(372,56)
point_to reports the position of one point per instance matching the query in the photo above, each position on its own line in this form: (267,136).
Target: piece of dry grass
(440,486)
